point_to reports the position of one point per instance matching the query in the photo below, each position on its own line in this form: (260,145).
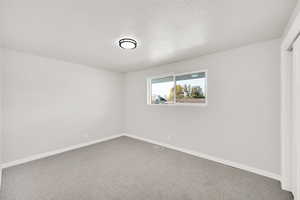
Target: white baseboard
(194,153)
(51,153)
(212,158)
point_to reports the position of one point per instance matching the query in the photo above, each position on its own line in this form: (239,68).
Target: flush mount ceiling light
(127,43)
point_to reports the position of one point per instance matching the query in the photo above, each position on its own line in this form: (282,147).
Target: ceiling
(87,31)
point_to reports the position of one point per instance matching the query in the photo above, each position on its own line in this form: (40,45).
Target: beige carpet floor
(129,169)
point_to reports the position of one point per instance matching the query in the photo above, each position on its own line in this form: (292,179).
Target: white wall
(292,19)
(50,104)
(241,121)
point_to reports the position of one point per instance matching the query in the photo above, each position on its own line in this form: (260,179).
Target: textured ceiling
(87,31)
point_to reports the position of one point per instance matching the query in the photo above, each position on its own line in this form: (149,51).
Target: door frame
(286,107)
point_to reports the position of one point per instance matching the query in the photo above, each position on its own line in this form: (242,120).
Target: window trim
(149,89)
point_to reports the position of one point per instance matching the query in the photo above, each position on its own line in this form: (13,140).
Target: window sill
(181,104)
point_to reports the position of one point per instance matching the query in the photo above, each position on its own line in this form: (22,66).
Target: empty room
(149,100)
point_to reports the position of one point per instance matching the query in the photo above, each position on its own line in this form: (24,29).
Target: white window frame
(149,89)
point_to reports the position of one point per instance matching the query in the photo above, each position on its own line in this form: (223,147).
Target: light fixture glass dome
(127,43)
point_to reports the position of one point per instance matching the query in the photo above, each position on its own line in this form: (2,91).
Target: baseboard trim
(212,158)
(55,152)
(194,153)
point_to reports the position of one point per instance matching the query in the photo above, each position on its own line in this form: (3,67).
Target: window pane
(191,88)
(162,90)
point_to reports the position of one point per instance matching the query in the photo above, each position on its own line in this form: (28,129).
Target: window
(160,90)
(190,88)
